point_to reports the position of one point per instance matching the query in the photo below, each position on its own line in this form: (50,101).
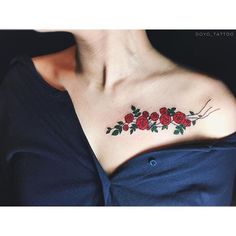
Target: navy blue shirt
(45,157)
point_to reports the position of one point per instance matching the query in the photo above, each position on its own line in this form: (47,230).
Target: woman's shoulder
(224,123)
(222,102)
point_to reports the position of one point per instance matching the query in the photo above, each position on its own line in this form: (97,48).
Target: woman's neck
(105,57)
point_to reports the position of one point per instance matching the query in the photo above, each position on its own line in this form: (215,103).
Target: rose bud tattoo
(159,120)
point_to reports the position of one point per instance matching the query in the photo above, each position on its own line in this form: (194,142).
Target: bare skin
(117,68)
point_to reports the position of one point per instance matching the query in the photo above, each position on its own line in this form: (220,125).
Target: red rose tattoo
(154,121)
(142,123)
(154,116)
(125,127)
(186,122)
(129,118)
(179,117)
(145,113)
(165,119)
(163,110)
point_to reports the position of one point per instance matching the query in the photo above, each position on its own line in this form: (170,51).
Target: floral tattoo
(159,120)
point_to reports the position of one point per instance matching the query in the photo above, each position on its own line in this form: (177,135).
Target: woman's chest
(117,133)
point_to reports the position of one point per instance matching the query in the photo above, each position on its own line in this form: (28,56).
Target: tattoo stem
(203,107)
(202,117)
